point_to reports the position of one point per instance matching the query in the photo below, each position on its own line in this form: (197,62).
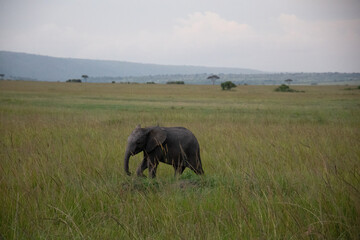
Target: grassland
(277,165)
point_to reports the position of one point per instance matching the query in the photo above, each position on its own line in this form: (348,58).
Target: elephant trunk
(126,161)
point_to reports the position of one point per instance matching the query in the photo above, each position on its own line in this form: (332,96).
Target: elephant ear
(156,137)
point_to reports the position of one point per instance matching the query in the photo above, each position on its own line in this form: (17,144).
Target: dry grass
(278,165)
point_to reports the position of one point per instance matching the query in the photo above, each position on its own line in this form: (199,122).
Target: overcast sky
(269,35)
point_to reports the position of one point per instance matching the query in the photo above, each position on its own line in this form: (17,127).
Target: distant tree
(213,78)
(2,76)
(288,81)
(227,85)
(85,77)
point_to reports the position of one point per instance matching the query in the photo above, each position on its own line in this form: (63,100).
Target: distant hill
(45,68)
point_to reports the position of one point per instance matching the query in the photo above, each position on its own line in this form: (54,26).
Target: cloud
(297,31)
(199,36)
(289,43)
(204,38)
(209,28)
(333,42)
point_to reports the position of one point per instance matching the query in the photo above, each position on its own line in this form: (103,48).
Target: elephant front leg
(152,165)
(143,165)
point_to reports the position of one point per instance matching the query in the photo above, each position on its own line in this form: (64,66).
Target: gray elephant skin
(176,146)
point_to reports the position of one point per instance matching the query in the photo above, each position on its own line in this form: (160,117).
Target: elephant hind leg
(179,170)
(199,171)
(195,164)
(196,169)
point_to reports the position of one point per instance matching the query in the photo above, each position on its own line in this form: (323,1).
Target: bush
(227,85)
(74,80)
(350,88)
(285,88)
(176,82)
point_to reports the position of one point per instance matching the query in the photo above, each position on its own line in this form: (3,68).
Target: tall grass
(277,165)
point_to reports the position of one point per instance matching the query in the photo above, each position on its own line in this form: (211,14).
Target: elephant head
(143,139)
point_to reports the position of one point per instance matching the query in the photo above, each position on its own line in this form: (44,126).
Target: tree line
(239,79)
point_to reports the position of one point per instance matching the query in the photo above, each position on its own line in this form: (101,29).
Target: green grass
(277,165)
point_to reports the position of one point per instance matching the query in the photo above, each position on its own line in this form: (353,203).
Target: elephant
(176,146)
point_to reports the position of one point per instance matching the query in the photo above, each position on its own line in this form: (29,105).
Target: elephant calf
(176,146)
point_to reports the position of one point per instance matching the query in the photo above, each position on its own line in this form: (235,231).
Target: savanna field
(277,165)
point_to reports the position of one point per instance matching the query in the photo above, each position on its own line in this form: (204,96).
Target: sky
(267,35)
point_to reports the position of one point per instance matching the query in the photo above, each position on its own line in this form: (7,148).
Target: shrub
(350,88)
(285,88)
(175,82)
(74,80)
(227,85)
